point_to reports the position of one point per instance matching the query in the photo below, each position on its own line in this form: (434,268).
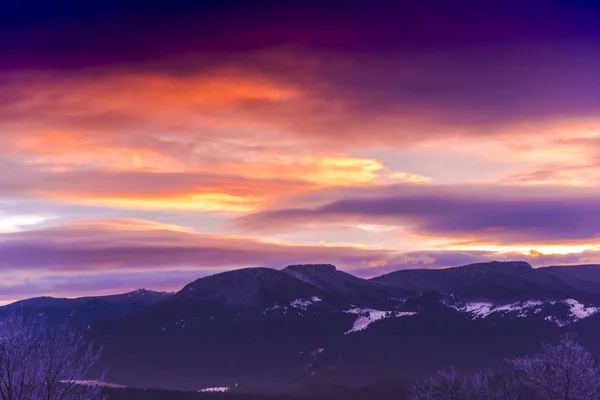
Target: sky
(150,143)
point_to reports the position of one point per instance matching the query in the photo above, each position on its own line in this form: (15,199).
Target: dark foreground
(380,392)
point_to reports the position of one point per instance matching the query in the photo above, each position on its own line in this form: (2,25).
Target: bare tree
(39,362)
(563,371)
(506,384)
(444,385)
(494,384)
(485,385)
(18,357)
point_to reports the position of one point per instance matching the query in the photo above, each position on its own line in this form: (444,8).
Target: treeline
(561,371)
(391,391)
(53,363)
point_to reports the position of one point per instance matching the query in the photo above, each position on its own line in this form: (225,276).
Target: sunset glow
(294,146)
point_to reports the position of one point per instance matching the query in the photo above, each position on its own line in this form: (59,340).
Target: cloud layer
(143,140)
(480,214)
(108,256)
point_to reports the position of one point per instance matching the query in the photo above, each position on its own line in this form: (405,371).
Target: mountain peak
(487,280)
(146,292)
(311,268)
(248,287)
(498,266)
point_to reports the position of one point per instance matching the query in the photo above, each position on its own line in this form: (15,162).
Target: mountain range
(86,310)
(261,329)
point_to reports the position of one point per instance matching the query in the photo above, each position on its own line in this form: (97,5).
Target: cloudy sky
(149,143)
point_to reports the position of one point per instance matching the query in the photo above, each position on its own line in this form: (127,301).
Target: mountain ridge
(267,329)
(511,280)
(88,309)
(326,277)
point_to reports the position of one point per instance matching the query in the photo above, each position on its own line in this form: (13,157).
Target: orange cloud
(204,123)
(325,170)
(271,135)
(147,190)
(137,120)
(208,202)
(237,188)
(231,115)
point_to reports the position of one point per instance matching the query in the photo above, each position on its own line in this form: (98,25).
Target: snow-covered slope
(218,389)
(560,312)
(296,305)
(366,316)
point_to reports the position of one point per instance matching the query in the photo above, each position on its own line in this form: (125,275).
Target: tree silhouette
(39,362)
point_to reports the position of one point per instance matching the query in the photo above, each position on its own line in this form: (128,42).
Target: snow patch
(304,304)
(276,308)
(555,320)
(366,316)
(300,304)
(94,383)
(576,310)
(579,311)
(484,309)
(222,389)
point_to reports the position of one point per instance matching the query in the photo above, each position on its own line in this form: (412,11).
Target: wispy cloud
(476,214)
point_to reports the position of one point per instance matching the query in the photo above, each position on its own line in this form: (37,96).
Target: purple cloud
(111,256)
(436,65)
(132,244)
(487,214)
(103,283)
